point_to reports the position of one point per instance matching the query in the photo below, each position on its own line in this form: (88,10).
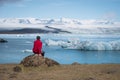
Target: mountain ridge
(31,30)
(62,25)
(53,21)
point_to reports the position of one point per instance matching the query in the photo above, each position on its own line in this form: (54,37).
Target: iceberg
(85,45)
(27,51)
(50,42)
(115,45)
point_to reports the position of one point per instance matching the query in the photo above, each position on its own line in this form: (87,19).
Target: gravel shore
(61,72)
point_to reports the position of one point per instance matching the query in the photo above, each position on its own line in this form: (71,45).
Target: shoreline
(62,72)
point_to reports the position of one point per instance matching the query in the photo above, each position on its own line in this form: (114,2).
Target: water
(14,50)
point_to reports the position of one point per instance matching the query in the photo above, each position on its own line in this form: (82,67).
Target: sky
(77,9)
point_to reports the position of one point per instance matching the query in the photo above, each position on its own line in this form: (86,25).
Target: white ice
(85,45)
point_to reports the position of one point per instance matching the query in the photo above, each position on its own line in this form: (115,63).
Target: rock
(36,61)
(17,69)
(89,78)
(2,40)
(50,62)
(75,63)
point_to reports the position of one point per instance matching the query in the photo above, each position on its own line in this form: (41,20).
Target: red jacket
(37,48)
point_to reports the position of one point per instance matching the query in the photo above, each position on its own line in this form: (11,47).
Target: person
(37,47)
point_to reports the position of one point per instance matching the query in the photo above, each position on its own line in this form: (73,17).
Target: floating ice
(28,42)
(27,51)
(85,45)
(50,42)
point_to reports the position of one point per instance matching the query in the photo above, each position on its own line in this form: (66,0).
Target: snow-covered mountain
(39,21)
(62,24)
(60,21)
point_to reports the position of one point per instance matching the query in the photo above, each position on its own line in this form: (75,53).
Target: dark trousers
(42,53)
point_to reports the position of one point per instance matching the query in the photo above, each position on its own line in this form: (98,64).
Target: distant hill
(31,30)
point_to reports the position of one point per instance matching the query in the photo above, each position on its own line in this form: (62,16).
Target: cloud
(3,2)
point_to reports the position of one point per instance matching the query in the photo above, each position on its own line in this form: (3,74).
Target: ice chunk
(115,45)
(27,51)
(50,42)
(85,45)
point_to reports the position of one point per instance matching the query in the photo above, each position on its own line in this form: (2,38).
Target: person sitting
(37,47)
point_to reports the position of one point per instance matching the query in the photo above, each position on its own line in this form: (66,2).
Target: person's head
(38,37)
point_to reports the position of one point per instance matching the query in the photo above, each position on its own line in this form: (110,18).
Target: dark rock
(3,41)
(89,78)
(17,69)
(35,61)
(75,63)
(50,62)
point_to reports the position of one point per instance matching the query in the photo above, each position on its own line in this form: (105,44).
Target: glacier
(85,45)
(64,24)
